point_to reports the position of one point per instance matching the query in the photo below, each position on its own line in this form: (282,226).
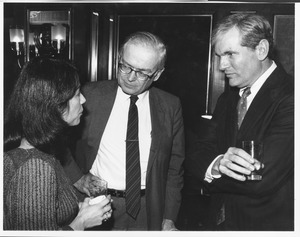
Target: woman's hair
(147,39)
(252,27)
(37,103)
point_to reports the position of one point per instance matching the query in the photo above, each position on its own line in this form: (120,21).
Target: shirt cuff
(209,177)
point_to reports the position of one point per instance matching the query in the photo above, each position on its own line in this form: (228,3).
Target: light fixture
(58,37)
(33,50)
(16,36)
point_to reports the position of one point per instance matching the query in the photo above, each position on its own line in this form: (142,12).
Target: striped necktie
(242,106)
(133,169)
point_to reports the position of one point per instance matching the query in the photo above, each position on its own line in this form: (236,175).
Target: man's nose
(132,76)
(223,63)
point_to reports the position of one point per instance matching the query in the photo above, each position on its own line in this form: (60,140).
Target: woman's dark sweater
(37,193)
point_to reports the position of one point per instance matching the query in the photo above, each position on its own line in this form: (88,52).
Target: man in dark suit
(101,149)
(243,44)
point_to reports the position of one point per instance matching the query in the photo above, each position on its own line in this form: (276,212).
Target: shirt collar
(260,81)
(125,97)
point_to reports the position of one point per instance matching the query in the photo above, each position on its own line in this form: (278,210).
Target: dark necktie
(133,169)
(242,106)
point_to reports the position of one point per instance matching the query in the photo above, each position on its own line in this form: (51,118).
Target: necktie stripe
(134,153)
(130,169)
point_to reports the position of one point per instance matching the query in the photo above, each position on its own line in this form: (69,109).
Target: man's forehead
(228,41)
(140,56)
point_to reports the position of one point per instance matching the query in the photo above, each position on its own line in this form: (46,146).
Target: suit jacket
(164,179)
(253,205)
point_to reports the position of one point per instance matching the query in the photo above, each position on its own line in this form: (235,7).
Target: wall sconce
(16,36)
(58,37)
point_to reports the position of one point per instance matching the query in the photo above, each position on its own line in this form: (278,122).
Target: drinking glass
(255,149)
(98,191)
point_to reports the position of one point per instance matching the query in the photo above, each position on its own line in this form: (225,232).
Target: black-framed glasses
(139,74)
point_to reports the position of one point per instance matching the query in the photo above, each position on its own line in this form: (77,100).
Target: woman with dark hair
(37,193)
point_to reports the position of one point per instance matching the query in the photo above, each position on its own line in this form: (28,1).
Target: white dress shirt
(254,89)
(110,162)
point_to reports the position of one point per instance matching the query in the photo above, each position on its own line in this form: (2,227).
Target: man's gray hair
(147,39)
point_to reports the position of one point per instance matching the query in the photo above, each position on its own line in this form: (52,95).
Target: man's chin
(127,90)
(233,81)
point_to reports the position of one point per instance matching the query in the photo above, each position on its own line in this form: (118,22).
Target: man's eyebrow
(139,69)
(226,53)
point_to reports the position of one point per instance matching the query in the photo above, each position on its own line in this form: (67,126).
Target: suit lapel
(233,129)
(157,119)
(262,101)
(103,105)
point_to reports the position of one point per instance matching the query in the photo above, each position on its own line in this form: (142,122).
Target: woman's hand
(92,215)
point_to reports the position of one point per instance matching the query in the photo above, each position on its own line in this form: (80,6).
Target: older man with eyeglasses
(158,145)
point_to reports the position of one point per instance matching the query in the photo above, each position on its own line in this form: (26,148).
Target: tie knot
(133,99)
(246,92)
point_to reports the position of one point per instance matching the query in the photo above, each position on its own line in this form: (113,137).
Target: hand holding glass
(255,149)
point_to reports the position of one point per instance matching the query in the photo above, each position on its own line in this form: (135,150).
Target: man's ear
(262,49)
(158,74)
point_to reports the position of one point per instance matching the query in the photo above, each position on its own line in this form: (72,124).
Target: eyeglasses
(140,75)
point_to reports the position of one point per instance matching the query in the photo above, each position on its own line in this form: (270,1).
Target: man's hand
(236,163)
(168,225)
(86,183)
